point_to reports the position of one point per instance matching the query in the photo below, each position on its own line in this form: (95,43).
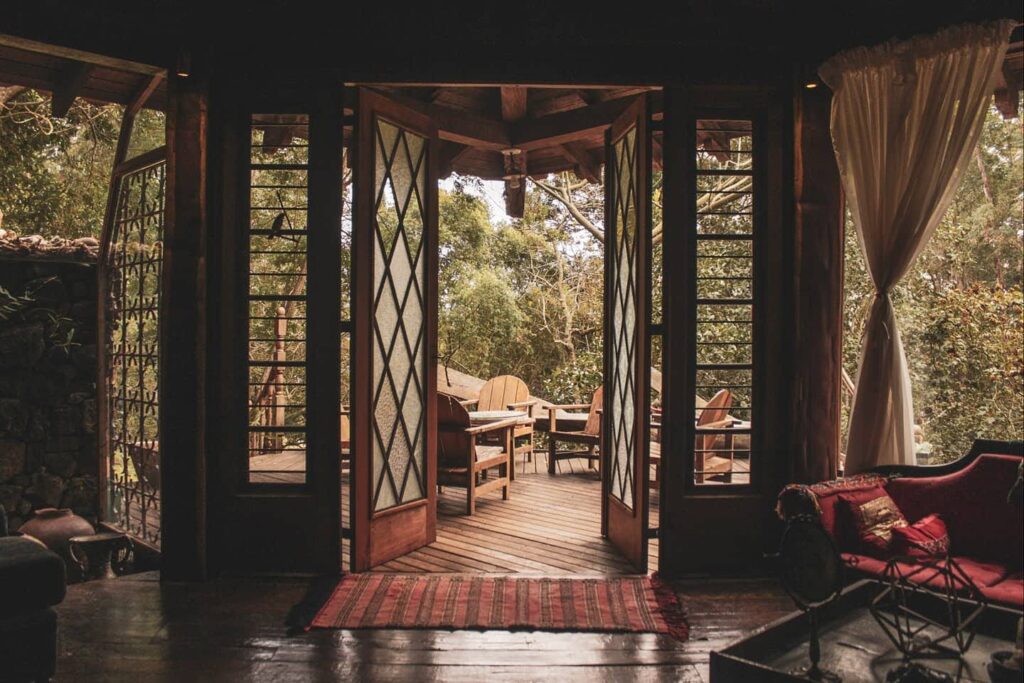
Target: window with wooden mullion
(277,293)
(724,285)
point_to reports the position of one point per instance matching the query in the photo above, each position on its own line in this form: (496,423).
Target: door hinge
(346,533)
(652,532)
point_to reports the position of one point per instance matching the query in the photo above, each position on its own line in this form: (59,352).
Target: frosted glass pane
(399,281)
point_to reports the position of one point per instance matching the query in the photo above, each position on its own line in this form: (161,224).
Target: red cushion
(874,515)
(827,495)
(972,502)
(1009,591)
(924,538)
(991,579)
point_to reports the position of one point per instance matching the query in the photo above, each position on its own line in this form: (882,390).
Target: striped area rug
(455,601)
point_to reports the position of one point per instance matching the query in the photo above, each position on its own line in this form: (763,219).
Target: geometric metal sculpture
(902,607)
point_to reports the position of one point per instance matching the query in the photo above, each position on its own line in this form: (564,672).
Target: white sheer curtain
(905,119)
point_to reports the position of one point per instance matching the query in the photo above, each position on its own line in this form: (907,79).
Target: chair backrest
(714,410)
(498,392)
(717,408)
(453,443)
(593,426)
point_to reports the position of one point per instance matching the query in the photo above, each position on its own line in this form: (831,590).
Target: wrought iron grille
(277,293)
(724,275)
(624,284)
(135,263)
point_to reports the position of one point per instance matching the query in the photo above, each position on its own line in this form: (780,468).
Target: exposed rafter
(585,167)
(69,85)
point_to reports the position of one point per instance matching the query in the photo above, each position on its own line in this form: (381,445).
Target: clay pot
(54,527)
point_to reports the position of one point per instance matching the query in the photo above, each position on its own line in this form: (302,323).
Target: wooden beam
(69,84)
(141,96)
(454,125)
(183,339)
(451,153)
(585,166)
(817,274)
(557,129)
(80,55)
(513,103)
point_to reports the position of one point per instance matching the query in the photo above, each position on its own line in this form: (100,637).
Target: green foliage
(54,172)
(959,308)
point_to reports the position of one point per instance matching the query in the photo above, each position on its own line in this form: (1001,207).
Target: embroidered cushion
(926,537)
(874,515)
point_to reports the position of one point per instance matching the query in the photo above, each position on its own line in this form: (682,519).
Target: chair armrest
(507,423)
(523,404)
(567,406)
(469,402)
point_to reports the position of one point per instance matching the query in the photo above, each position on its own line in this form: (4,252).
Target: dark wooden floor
(137,629)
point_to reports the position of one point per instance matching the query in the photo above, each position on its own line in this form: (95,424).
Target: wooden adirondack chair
(713,453)
(590,436)
(461,460)
(508,392)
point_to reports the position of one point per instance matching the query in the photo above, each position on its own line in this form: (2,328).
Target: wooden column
(818,289)
(183,336)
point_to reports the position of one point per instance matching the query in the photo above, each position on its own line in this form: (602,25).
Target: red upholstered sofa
(986,531)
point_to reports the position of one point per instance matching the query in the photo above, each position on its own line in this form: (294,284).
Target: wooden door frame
(627,528)
(367,525)
(304,519)
(733,546)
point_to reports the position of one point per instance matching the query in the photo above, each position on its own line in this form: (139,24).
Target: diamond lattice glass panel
(399,357)
(624,289)
(136,258)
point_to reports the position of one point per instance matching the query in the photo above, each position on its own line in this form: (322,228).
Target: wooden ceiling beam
(68,86)
(513,109)
(142,95)
(454,125)
(584,165)
(450,154)
(558,129)
(80,55)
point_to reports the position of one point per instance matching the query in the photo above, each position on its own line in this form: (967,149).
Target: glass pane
(277,279)
(399,279)
(622,383)
(725,295)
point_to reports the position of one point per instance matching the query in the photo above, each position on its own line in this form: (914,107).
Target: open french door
(394,493)
(625,462)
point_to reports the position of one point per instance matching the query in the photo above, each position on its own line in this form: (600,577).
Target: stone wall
(48,435)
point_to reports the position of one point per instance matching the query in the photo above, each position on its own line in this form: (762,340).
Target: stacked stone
(48,434)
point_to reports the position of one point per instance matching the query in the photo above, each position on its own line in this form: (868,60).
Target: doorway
(394,508)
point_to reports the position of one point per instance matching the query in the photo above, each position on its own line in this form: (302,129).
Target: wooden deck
(136,629)
(549,525)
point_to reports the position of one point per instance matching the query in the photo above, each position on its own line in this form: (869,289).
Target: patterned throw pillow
(926,537)
(874,515)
